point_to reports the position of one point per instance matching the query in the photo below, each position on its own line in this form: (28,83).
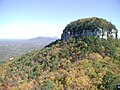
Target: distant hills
(42,40)
(13,47)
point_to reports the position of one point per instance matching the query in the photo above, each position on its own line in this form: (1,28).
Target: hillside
(12,48)
(87,63)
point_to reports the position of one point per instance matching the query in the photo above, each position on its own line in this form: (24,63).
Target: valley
(13,47)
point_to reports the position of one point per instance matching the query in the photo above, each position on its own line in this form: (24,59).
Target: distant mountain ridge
(43,40)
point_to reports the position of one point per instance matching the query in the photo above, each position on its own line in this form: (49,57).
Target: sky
(25,19)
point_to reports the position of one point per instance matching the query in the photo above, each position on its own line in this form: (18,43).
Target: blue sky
(32,18)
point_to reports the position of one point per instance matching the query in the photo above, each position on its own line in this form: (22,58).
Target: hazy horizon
(26,19)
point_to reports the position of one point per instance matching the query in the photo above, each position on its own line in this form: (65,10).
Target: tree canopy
(89,24)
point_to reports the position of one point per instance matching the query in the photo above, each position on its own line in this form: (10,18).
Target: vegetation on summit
(90,24)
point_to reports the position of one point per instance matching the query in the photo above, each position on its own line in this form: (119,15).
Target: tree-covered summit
(90,24)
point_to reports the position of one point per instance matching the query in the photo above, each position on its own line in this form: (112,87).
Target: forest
(78,63)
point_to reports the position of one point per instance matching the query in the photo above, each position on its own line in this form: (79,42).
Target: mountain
(82,63)
(90,27)
(42,40)
(12,48)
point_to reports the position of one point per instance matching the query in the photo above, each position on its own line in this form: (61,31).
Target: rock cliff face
(89,27)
